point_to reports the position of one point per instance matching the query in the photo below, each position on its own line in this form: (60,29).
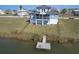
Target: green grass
(69,27)
(11,24)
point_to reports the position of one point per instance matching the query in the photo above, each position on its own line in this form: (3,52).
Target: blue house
(44,15)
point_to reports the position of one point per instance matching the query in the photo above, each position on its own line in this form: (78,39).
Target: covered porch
(41,19)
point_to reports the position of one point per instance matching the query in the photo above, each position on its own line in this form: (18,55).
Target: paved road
(12,16)
(74,18)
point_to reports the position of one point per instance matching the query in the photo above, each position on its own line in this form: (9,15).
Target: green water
(12,46)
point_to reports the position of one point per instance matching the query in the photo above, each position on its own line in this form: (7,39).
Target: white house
(2,12)
(43,16)
(21,11)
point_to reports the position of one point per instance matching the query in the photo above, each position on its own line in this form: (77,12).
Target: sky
(30,7)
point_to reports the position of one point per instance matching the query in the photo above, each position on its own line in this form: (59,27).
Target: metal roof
(43,7)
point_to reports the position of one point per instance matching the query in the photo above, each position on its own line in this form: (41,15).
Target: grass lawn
(11,24)
(66,27)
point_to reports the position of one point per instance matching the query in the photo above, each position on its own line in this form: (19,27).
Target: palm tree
(63,11)
(20,7)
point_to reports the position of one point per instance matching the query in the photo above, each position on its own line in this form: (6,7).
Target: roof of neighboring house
(43,7)
(76,10)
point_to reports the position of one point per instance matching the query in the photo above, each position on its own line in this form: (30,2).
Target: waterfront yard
(16,26)
(63,36)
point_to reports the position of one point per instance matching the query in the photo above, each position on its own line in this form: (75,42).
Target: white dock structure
(43,44)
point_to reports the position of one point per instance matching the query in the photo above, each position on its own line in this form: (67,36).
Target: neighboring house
(43,15)
(76,12)
(69,13)
(72,12)
(2,12)
(21,11)
(14,12)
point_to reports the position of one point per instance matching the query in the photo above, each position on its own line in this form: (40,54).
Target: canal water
(13,46)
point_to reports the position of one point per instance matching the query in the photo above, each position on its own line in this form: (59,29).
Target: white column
(42,20)
(31,17)
(35,20)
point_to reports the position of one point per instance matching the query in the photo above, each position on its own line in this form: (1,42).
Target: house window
(39,16)
(46,16)
(45,22)
(39,21)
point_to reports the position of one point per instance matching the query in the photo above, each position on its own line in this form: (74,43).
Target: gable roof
(43,7)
